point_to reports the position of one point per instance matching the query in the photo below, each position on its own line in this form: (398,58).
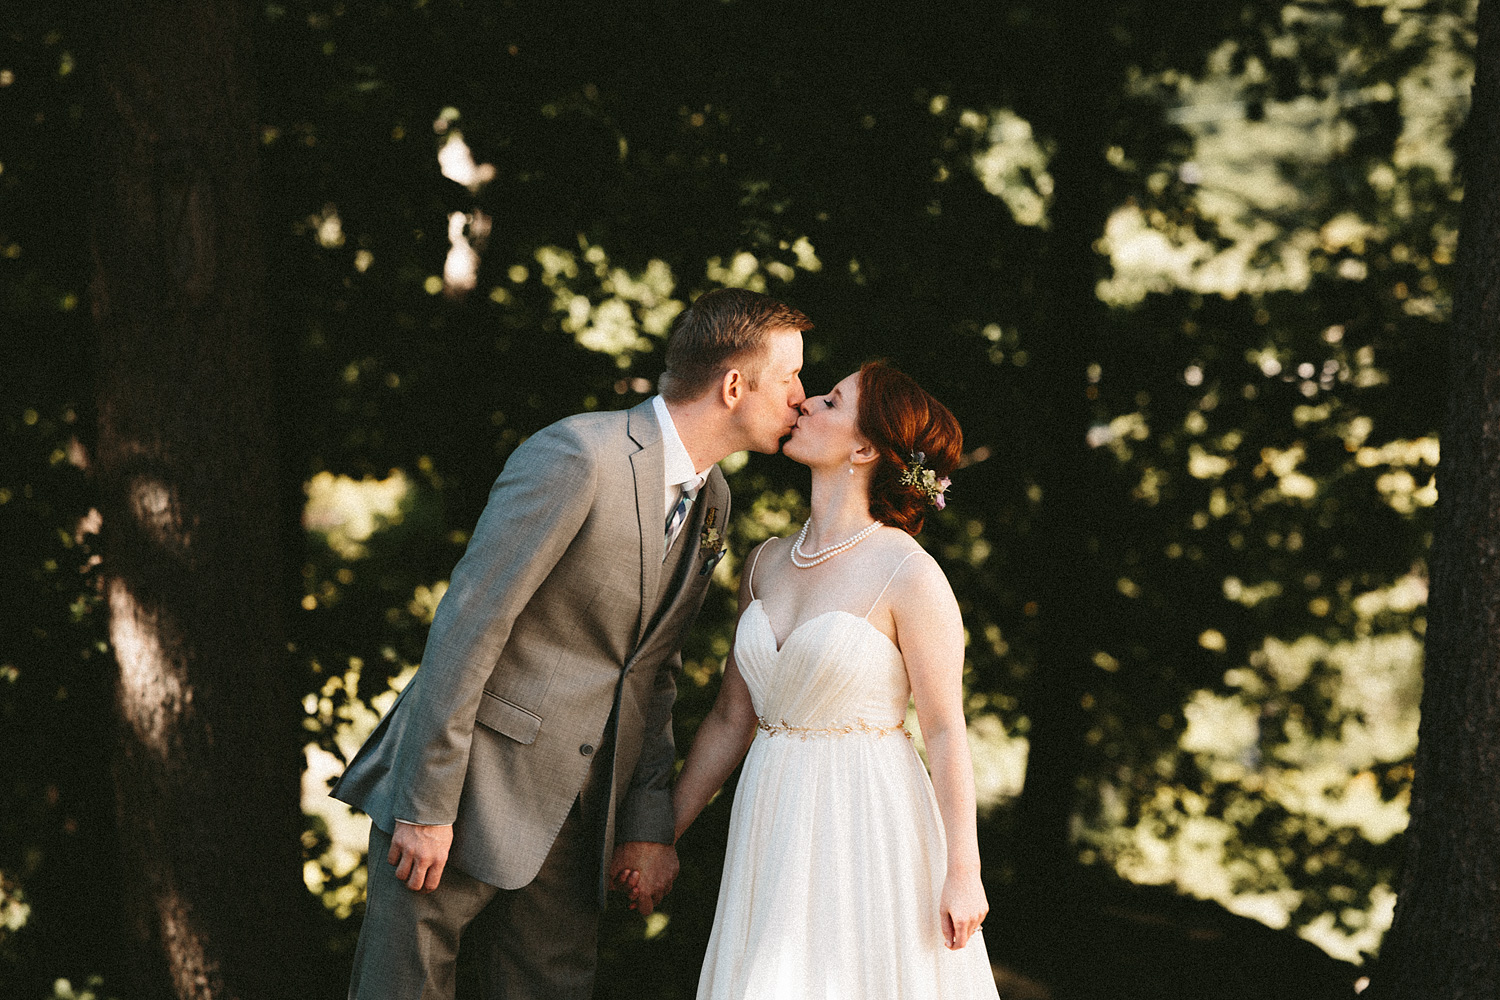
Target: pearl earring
(851,468)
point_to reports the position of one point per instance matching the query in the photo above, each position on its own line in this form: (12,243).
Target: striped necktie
(677,518)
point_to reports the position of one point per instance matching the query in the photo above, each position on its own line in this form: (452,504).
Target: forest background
(1182,270)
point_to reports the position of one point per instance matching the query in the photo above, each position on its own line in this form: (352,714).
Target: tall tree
(205,763)
(1444,939)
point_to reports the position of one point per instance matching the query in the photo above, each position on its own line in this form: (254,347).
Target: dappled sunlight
(1183,846)
(769,514)
(1368,928)
(1188,537)
(1434,102)
(467,231)
(1404,596)
(154,506)
(1282,463)
(348,833)
(424,602)
(615,312)
(742,270)
(1226,729)
(92,989)
(456,160)
(1014,166)
(182,936)
(339,713)
(1007,159)
(14,910)
(346,511)
(461,266)
(745,270)
(734,462)
(1259,749)
(807,258)
(1150,253)
(999,761)
(1204,465)
(1398,486)
(153,688)
(1250,595)
(1189,849)
(1118,434)
(347,514)
(1255,177)
(327,228)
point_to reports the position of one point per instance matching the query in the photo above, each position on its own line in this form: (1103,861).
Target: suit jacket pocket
(507,718)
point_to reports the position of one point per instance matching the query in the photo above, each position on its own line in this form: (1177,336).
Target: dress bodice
(836,856)
(834,669)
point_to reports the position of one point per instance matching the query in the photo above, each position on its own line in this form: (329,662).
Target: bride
(849,873)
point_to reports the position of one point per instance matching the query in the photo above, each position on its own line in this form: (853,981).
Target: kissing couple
(527,767)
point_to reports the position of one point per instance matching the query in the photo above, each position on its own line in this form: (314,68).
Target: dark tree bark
(1445,942)
(1062,574)
(1070,594)
(206,763)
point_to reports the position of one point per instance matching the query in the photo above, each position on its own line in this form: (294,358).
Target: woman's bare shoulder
(917,573)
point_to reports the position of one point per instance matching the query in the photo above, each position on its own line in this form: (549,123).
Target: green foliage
(481,217)
(55,802)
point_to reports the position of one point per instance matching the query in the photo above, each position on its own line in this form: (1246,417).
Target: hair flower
(924,480)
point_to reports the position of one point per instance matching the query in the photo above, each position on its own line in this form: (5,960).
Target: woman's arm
(722,739)
(930,632)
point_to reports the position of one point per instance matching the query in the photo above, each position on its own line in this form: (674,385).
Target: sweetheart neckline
(793,633)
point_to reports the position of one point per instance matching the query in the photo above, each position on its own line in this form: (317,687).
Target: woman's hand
(963,907)
(645,871)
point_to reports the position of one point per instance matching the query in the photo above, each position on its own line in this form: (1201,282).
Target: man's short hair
(724,326)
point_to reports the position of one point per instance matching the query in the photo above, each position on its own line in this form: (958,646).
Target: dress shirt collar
(677,464)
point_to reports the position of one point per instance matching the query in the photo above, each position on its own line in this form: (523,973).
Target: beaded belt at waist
(807,732)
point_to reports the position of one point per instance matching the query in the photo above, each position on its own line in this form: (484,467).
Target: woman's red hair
(900,419)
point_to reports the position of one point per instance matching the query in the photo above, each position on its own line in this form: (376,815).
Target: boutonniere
(711,540)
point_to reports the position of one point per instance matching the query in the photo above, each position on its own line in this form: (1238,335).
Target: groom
(537,735)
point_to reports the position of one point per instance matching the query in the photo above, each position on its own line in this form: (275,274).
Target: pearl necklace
(806,560)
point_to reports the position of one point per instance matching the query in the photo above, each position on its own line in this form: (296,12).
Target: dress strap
(889,582)
(752,569)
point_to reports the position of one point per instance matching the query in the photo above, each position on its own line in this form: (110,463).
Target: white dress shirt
(677,464)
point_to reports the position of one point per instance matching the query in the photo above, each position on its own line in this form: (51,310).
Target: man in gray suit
(537,734)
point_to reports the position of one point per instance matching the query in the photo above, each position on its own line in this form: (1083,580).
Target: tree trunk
(1069,593)
(1445,942)
(206,763)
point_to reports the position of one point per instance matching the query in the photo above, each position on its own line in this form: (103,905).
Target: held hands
(645,871)
(963,907)
(419,854)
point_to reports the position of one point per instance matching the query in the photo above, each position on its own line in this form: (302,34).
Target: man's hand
(645,870)
(419,854)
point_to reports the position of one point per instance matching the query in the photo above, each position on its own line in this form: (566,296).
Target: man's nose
(798,396)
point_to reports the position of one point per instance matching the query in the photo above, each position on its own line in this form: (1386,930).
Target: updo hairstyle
(900,418)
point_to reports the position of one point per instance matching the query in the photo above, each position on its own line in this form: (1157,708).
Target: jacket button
(587,749)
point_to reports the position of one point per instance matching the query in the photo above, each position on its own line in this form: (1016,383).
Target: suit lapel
(689,556)
(648,467)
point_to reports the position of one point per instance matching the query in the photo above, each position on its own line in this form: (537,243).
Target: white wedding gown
(836,853)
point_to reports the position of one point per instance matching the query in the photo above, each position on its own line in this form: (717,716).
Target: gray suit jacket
(560,613)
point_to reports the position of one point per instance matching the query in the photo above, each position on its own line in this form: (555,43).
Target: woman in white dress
(849,873)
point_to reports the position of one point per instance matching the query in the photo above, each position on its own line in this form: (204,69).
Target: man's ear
(732,388)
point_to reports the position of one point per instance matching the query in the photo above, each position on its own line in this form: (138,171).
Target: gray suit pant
(542,939)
